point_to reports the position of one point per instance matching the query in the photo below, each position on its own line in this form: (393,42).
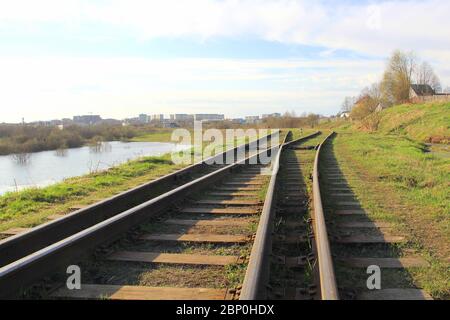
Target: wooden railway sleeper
(299,238)
(294,262)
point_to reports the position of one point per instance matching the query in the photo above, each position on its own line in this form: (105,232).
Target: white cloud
(370,28)
(47,87)
(58,85)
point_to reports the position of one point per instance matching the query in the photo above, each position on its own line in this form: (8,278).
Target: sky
(238,57)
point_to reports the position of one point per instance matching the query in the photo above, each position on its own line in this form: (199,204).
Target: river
(49,167)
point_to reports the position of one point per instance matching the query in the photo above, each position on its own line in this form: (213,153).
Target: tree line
(402,70)
(23,138)
(287,120)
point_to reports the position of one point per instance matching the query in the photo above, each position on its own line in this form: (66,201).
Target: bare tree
(21,158)
(375,92)
(425,75)
(348,104)
(312,120)
(365,106)
(61,151)
(398,76)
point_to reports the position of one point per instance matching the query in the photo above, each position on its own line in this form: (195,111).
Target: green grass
(298,133)
(30,207)
(407,186)
(401,182)
(428,122)
(164,135)
(157,135)
(405,166)
(419,122)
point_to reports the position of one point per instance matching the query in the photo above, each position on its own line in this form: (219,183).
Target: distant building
(41,123)
(87,119)
(143,118)
(56,122)
(181,117)
(67,121)
(48,123)
(425,93)
(208,117)
(420,90)
(238,121)
(252,119)
(345,115)
(157,117)
(271,115)
(111,122)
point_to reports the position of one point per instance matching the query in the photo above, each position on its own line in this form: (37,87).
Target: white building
(238,120)
(271,115)
(143,118)
(157,117)
(208,117)
(252,119)
(181,117)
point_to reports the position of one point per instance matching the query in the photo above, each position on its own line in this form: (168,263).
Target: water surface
(48,167)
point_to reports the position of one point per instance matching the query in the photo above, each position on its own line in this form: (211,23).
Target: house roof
(423,89)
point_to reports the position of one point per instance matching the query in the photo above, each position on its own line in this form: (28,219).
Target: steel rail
(18,246)
(56,257)
(328,285)
(257,274)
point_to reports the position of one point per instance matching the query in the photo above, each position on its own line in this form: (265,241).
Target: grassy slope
(419,122)
(402,165)
(403,183)
(409,188)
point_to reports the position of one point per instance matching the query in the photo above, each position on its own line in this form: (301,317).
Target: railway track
(234,232)
(195,250)
(235,197)
(359,241)
(20,242)
(319,242)
(288,261)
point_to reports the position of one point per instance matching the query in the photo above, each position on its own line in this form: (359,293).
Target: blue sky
(121,58)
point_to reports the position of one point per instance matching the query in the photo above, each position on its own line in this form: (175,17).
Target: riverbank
(31,207)
(25,138)
(48,167)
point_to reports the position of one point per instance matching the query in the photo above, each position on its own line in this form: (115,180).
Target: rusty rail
(57,256)
(328,286)
(18,246)
(257,274)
